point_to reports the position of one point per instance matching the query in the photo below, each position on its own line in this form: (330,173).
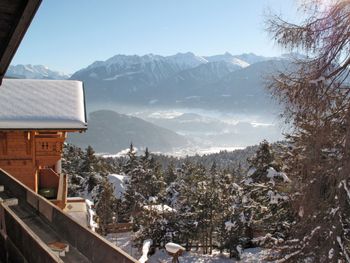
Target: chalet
(35,118)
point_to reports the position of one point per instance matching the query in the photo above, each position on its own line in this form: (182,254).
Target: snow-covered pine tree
(170,173)
(88,160)
(208,205)
(106,207)
(226,227)
(264,210)
(131,160)
(263,159)
(190,222)
(71,162)
(88,168)
(145,184)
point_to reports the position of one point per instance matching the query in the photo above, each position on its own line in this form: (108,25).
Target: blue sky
(68,35)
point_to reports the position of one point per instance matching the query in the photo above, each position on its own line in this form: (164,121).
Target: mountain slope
(112,132)
(189,83)
(34,72)
(151,68)
(242,90)
(249,84)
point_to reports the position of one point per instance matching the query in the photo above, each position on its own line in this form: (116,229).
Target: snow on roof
(173,247)
(42,104)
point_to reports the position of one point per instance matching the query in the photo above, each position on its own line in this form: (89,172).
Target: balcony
(30,226)
(53,186)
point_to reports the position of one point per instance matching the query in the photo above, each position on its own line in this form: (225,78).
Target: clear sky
(68,35)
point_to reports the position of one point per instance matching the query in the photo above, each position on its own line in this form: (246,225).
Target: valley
(179,105)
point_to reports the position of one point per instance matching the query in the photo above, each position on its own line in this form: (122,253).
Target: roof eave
(16,34)
(45,129)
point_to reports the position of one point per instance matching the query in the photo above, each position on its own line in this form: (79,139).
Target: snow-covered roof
(42,104)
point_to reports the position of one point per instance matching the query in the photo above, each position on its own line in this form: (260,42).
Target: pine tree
(131,161)
(315,93)
(226,208)
(263,159)
(106,207)
(264,201)
(88,160)
(146,182)
(88,168)
(170,174)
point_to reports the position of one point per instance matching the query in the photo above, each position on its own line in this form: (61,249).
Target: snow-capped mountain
(227,57)
(149,69)
(34,72)
(186,60)
(181,60)
(152,69)
(251,58)
(182,80)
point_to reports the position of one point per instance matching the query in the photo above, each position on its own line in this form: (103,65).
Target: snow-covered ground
(124,241)
(252,255)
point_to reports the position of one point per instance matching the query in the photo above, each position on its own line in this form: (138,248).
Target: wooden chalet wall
(17,156)
(32,156)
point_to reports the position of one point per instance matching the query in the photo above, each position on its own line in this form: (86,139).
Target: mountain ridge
(180,80)
(34,72)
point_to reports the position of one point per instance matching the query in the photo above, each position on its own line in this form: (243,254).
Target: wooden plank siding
(16,157)
(28,154)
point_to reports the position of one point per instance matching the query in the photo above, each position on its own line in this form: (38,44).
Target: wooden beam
(22,22)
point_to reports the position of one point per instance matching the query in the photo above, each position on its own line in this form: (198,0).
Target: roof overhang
(15,18)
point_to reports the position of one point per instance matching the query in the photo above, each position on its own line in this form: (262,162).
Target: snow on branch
(343,249)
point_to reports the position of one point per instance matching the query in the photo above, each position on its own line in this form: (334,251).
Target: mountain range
(183,80)
(223,82)
(226,82)
(34,72)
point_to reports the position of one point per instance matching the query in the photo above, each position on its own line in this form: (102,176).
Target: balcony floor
(43,229)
